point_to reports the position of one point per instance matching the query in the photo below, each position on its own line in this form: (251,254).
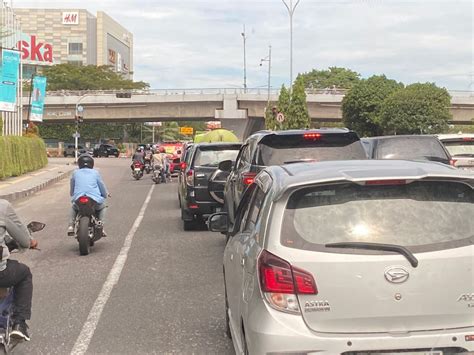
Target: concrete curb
(32,190)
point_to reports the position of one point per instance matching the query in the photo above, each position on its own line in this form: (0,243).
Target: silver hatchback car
(352,257)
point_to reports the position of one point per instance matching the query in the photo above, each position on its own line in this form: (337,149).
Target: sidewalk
(12,189)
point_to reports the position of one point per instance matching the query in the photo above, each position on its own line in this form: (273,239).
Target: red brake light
(248,178)
(83,199)
(468,139)
(183,165)
(193,206)
(277,276)
(312,136)
(385,182)
(190,177)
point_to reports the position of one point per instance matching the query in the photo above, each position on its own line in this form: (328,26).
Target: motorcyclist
(86,181)
(15,274)
(160,158)
(138,156)
(148,154)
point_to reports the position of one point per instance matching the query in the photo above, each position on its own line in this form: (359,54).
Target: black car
(407,147)
(267,148)
(200,161)
(105,150)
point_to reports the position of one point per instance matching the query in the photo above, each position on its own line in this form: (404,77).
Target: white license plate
(136,169)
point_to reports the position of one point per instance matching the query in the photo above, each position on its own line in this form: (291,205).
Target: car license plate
(138,169)
(437,352)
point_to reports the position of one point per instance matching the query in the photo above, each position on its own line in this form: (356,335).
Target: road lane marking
(89,327)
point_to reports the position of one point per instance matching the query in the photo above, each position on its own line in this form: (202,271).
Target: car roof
(218,144)
(285,176)
(455,136)
(404,136)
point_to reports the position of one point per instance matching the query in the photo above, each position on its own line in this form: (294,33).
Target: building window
(77,63)
(75,48)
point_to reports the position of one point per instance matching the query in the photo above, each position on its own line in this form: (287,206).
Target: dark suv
(200,163)
(105,150)
(267,148)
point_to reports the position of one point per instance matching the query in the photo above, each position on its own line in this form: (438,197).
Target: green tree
(362,105)
(418,108)
(89,77)
(333,76)
(298,116)
(282,106)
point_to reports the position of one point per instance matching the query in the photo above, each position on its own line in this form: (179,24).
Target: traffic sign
(76,135)
(80,108)
(280,117)
(187,131)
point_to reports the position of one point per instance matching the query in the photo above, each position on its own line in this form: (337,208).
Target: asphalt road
(168,298)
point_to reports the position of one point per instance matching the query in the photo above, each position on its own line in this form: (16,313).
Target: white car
(461,148)
(352,257)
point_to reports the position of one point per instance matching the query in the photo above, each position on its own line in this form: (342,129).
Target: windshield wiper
(377,246)
(300,161)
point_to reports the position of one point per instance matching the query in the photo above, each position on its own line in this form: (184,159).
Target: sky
(198,43)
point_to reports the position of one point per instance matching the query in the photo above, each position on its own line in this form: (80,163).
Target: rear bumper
(198,208)
(269,331)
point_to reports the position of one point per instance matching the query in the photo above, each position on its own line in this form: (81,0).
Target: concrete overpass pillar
(232,118)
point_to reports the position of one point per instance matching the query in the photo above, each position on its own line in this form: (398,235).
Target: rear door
(205,163)
(362,291)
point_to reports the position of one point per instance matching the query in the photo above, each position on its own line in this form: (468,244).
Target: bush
(19,155)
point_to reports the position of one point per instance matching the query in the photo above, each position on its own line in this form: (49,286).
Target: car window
(283,149)
(243,209)
(214,157)
(243,157)
(431,212)
(254,209)
(411,148)
(460,148)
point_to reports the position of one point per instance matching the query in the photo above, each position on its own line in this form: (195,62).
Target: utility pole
(244,36)
(269,60)
(291,10)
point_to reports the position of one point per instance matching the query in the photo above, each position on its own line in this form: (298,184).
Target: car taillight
(83,200)
(312,136)
(183,166)
(248,178)
(468,139)
(453,162)
(190,177)
(281,283)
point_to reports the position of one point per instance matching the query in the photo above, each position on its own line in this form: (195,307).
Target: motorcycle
(6,300)
(137,172)
(158,175)
(88,229)
(148,167)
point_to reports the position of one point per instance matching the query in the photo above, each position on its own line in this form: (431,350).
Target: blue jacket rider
(86,181)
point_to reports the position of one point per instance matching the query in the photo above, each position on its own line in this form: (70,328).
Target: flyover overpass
(239,110)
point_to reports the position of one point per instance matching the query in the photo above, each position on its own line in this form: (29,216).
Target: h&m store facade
(74,36)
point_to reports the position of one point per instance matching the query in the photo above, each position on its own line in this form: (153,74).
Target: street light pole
(291,10)
(244,36)
(269,60)
(78,111)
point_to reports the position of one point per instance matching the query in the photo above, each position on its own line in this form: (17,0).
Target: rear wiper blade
(437,159)
(377,246)
(300,161)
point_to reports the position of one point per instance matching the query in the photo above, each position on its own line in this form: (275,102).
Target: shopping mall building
(74,36)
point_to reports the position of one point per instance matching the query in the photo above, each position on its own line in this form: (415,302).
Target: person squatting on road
(86,181)
(15,274)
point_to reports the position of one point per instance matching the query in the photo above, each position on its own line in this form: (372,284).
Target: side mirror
(218,222)
(226,165)
(35,226)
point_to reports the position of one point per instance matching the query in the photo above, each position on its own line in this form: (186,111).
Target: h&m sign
(71,18)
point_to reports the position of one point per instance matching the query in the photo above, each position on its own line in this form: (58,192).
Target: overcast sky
(198,43)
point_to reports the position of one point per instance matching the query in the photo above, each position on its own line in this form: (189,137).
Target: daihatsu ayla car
(352,257)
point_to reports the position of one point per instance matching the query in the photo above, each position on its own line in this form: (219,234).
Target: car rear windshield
(420,213)
(215,156)
(284,149)
(460,148)
(425,148)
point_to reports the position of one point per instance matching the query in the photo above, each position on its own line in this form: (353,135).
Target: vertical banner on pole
(37,99)
(9,80)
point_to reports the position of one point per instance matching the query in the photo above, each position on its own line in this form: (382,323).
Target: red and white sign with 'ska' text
(35,52)
(71,18)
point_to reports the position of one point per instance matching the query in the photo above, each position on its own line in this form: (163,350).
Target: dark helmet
(85,161)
